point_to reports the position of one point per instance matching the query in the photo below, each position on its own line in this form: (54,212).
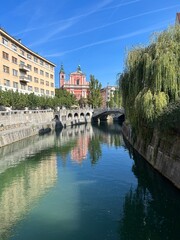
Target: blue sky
(95,34)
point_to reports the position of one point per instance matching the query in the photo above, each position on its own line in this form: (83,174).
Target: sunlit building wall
(23,70)
(77,84)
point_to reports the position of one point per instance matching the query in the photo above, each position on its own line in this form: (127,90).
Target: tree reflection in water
(95,151)
(90,138)
(145,214)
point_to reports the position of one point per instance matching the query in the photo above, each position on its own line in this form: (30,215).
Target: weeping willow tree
(151,78)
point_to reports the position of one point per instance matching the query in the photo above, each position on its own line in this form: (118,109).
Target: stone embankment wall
(17,125)
(163,153)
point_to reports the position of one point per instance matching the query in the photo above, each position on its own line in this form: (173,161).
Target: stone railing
(20,118)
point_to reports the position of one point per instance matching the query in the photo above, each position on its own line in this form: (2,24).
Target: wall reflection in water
(24,178)
(21,186)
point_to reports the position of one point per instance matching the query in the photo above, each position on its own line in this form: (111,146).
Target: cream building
(106,94)
(23,70)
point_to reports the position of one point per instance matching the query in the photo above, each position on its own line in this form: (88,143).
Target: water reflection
(116,201)
(73,140)
(13,154)
(109,133)
(21,186)
(152,210)
(81,139)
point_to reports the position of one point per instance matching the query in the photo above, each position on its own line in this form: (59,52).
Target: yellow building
(23,70)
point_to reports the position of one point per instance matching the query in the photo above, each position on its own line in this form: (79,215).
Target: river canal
(83,183)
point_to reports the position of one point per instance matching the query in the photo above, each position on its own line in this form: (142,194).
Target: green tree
(111,101)
(4,100)
(94,97)
(33,101)
(151,78)
(65,98)
(82,102)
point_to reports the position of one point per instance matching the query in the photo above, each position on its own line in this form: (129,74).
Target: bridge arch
(102,114)
(76,115)
(88,115)
(70,116)
(82,115)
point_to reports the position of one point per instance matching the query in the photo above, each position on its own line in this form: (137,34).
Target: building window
(23,87)
(14,60)
(47,92)
(35,59)
(5,55)
(5,69)
(51,67)
(15,85)
(5,41)
(47,83)
(41,62)
(52,84)
(42,91)
(7,82)
(42,81)
(28,56)
(22,52)
(77,82)
(51,76)
(30,78)
(47,74)
(36,89)
(15,72)
(42,72)
(30,88)
(35,70)
(36,80)
(52,93)
(29,66)
(14,47)
(47,65)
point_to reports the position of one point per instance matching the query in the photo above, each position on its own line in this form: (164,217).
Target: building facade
(77,83)
(23,70)
(106,94)
(178,18)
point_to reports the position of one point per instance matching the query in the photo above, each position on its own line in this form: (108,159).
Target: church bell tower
(61,77)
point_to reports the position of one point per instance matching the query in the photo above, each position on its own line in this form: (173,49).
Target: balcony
(24,79)
(23,67)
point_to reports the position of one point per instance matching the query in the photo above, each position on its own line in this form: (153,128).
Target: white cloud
(115,22)
(129,35)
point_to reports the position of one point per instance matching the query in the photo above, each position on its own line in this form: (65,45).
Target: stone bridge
(67,117)
(103,114)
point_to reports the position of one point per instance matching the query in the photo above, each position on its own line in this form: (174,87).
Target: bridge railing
(99,111)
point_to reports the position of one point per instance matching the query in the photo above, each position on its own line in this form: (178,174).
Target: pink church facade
(77,83)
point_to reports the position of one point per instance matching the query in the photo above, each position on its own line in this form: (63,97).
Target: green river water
(83,183)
